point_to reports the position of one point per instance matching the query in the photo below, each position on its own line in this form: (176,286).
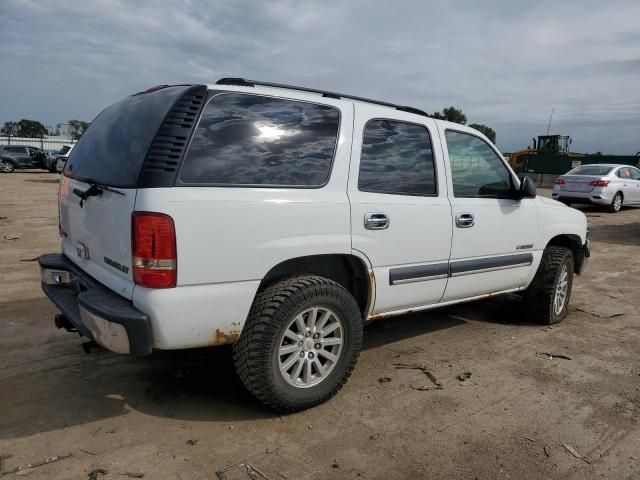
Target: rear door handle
(465,220)
(376,221)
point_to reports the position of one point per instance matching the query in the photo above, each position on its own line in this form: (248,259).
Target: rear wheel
(547,298)
(6,166)
(616,203)
(300,343)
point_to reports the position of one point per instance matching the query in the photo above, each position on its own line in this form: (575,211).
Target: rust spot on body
(221,338)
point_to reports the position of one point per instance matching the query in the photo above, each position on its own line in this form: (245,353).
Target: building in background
(62,130)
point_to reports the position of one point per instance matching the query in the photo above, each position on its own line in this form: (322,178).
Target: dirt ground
(184,415)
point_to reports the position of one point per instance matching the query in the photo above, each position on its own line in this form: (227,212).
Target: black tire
(540,296)
(256,355)
(616,203)
(6,166)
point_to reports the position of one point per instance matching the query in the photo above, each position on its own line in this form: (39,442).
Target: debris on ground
(384,380)
(132,474)
(232,471)
(423,368)
(463,376)
(28,466)
(529,438)
(34,259)
(95,473)
(4,456)
(547,451)
(11,237)
(88,452)
(575,453)
(191,442)
(551,356)
(603,311)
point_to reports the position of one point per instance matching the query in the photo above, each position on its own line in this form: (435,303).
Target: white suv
(282,219)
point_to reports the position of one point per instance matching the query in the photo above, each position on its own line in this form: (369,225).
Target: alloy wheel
(310,347)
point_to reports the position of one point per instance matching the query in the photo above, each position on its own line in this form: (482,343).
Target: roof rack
(241,82)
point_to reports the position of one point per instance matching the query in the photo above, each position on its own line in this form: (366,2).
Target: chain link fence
(45,143)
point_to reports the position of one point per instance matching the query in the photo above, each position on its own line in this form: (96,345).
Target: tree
(31,129)
(487,131)
(451,114)
(77,128)
(10,129)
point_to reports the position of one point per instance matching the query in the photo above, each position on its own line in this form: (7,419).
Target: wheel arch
(571,241)
(348,270)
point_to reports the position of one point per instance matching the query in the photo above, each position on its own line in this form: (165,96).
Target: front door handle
(465,220)
(376,221)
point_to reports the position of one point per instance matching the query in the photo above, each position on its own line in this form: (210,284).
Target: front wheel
(616,203)
(6,166)
(300,343)
(547,298)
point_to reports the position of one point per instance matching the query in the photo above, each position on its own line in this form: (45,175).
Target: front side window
(247,140)
(476,169)
(635,173)
(396,158)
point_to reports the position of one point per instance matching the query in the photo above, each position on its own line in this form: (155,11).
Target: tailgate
(97,235)
(137,141)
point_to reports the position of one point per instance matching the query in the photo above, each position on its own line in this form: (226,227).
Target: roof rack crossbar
(252,83)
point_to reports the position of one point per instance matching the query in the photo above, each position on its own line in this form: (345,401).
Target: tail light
(559,181)
(599,183)
(153,238)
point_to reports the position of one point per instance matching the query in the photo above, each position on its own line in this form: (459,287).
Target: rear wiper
(94,189)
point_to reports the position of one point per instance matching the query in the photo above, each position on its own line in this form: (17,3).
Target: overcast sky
(505,63)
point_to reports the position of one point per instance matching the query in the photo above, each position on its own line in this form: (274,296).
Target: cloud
(504,63)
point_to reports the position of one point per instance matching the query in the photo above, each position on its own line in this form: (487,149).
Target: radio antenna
(550,118)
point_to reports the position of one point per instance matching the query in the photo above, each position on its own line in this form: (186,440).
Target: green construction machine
(551,155)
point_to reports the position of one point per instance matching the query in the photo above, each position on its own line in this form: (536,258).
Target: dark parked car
(19,156)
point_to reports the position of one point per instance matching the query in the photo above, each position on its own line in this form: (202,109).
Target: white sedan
(601,184)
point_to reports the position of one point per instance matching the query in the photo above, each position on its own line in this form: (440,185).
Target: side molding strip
(466,267)
(420,273)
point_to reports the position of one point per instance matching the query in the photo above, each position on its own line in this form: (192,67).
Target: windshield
(591,170)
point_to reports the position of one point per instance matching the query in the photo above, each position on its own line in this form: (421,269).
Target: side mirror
(527,188)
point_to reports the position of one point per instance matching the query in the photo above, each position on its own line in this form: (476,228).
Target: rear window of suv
(251,140)
(112,150)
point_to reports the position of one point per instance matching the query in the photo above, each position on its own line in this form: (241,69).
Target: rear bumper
(597,196)
(97,312)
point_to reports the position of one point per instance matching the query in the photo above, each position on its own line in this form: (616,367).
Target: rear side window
(397,159)
(250,140)
(476,170)
(624,172)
